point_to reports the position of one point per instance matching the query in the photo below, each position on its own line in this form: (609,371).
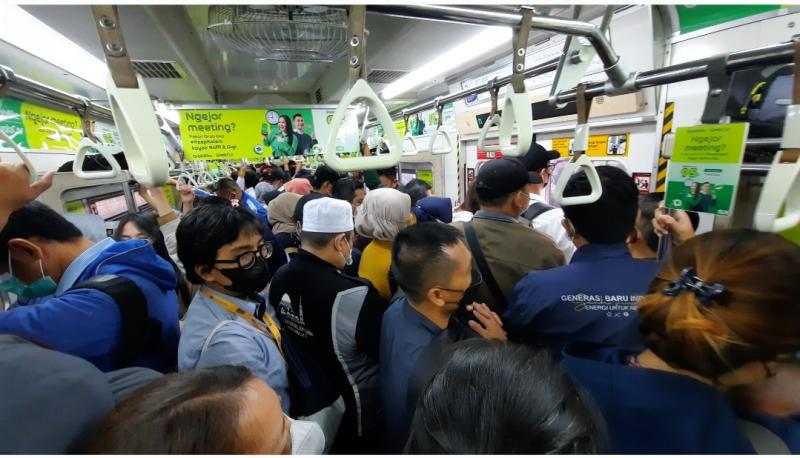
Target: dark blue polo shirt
(592,299)
(405,334)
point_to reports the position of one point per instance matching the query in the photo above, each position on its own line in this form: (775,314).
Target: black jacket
(337,320)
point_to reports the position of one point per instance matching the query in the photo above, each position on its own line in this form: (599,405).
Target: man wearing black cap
(503,248)
(322,186)
(543,217)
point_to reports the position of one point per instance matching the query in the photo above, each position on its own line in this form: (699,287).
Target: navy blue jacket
(592,299)
(656,412)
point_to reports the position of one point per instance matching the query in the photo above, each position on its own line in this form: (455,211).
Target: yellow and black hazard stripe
(661,175)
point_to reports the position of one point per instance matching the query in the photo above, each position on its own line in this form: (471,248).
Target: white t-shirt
(549,224)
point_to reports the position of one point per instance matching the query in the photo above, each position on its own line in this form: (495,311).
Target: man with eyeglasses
(433,267)
(541,216)
(229,321)
(335,319)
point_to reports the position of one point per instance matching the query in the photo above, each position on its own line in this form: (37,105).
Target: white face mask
(348,260)
(307,438)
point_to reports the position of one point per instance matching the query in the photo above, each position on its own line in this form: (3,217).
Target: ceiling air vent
(158,69)
(385,76)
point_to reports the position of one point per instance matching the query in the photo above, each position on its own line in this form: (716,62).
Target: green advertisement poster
(39,128)
(260,134)
(704,170)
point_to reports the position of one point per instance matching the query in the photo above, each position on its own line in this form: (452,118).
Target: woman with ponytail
(723,309)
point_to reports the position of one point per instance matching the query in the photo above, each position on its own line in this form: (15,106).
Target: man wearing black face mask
(335,318)
(228,321)
(433,267)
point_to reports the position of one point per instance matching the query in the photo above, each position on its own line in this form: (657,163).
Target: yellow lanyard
(267,327)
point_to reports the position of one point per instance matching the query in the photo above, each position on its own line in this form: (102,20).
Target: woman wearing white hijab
(384,213)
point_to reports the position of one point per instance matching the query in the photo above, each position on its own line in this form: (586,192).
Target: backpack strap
(483,266)
(536,209)
(140,335)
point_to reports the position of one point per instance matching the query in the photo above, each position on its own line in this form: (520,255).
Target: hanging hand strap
(494,91)
(439,110)
(86,122)
(719,83)
(117,58)
(521,34)
(584,106)
(355,30)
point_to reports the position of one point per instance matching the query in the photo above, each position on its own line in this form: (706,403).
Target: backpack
(140,335)
(536,209)
(760,97)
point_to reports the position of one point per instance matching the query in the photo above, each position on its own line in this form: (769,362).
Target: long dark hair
(289,131)
(501,398)
(147,222)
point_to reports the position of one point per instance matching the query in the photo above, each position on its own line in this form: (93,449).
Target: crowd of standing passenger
(281,311)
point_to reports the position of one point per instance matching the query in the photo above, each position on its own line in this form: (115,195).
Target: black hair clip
(689,281)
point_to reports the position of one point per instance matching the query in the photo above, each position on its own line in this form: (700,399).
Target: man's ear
(25,250)
(205,272)
(434,296)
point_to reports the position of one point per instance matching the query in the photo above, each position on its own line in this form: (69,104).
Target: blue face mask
(42,287)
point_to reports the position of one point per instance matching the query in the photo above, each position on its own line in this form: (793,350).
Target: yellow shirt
(375,262)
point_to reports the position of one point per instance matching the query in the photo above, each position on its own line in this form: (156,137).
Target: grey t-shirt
(50,400)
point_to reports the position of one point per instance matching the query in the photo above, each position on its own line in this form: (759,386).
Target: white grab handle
(516,109)
(408,138)
(440,132)
(139,131)
(781,190)
(205,178)
(594,181)
(32,175)
(189,179)
(361,90)
(490,121)
(107,152)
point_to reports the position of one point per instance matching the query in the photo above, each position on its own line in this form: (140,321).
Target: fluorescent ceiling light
(22,30)
(482,43)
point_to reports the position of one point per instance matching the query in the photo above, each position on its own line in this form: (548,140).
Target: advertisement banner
(599,145)
(704,170)
(38,128)
(260,134)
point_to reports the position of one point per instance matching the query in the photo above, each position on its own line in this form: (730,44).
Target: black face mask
(248,281)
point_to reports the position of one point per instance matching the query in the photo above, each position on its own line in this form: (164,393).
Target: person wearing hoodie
(434,209)
(75,293)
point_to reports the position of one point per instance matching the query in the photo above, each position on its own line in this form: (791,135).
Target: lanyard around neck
(266,325)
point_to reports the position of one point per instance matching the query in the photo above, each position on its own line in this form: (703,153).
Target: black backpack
(536,209)
(760,97)
(140,335)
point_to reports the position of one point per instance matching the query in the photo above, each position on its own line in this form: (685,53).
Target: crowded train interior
(399,229)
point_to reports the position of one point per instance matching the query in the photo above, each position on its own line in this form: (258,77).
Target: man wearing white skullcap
(335,319)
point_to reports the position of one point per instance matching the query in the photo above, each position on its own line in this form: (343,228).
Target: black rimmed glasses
(247,259)
(477,279)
